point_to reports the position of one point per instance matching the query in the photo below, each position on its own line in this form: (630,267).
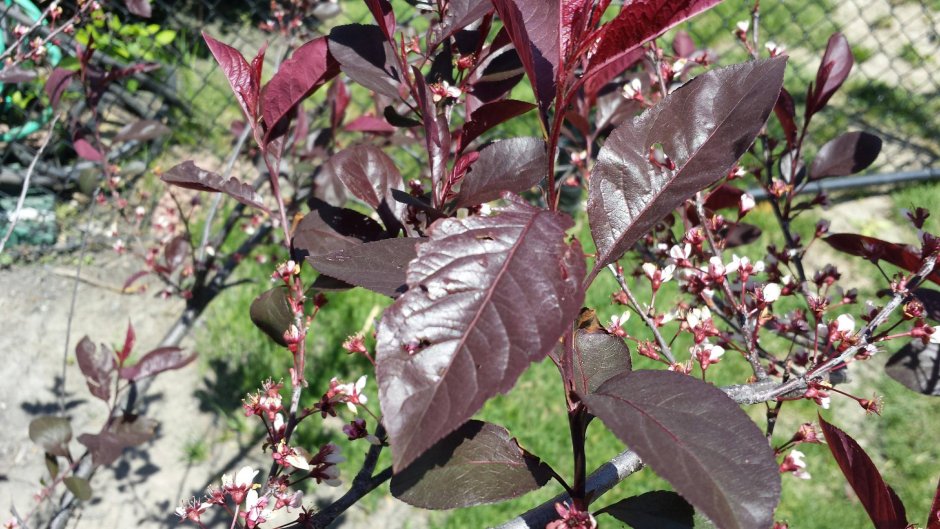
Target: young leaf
(271,312)
(188,175)
(239,75)
(367,58)
(308,68)
(881,503)
(155,362)
(917,367)
(785,110)
(533,28)
(97,366)
(489,115)
(142,130)
(845,155)
(486,297)
(52,434)
(436,131)
(703,128)
(130,337)
(79,487)
(378,266)
(477,464)
(637,23)
(658,509)
(515,165)
(698,439)
(598,355)
(833,70)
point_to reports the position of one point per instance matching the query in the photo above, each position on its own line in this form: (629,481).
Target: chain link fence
(892,92)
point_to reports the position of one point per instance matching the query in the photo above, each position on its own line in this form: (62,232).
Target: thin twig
(663,344)
(29,174)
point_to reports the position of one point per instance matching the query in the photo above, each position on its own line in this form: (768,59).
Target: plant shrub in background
(487,275)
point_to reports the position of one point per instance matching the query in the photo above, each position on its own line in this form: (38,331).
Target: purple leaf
(637,23)
(597,355)
(327,229)
(369,174)
(489,115)
(52,434)
(486,297)
(496,74)
(931,300)
(155,362)
(384,16)
(845,155)
(785,110)
(378,266)
(597,79)
(372,124)
(140,8)
(703,128)
(683,45)
(366,57)
(461,13)
(142,130)
(513,165)
(917,367)
(130,430)
(241,78)
(308,68)
(272,313)
(658,509)
(533,29)
(723,196)
(740,234)
(97,366)
(697,439)
(833,70)
(436,131)
(130,337)
(188,175)
(176,251)
(86,151)
(477,464)
(16,74)
(933,518)
(874,250)
(881,503)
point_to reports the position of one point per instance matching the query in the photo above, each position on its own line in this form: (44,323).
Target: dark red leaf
(308,68)
(881,503)
(497,73)
(723,196)
(703,128)
(97,366)
(58,81)
(484,277)
(397,120)
(86,151)
(239,75)
(384,17)
(129,338)
(597,79)
(740,234)
(833,70)
(372,124)
(327,229)
(513,165)
(52,434)
(370,175)
(140,8)
(461,13)
(142,130)
(366,57)
(785,110)
(436,131)
(176,251)
(188,175)
(489,115)
(873,249)
(682,428)
(16,74)
(477,464)
(683,45)
(106,447)
(378,266)
(658,509)
(845,155)
(933,518)
(917,367)
(156,362)
(533,28)
(271,312)
(133,279)
(637,23)
(597,355)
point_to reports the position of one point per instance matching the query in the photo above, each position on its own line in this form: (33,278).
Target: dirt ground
(143,487)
